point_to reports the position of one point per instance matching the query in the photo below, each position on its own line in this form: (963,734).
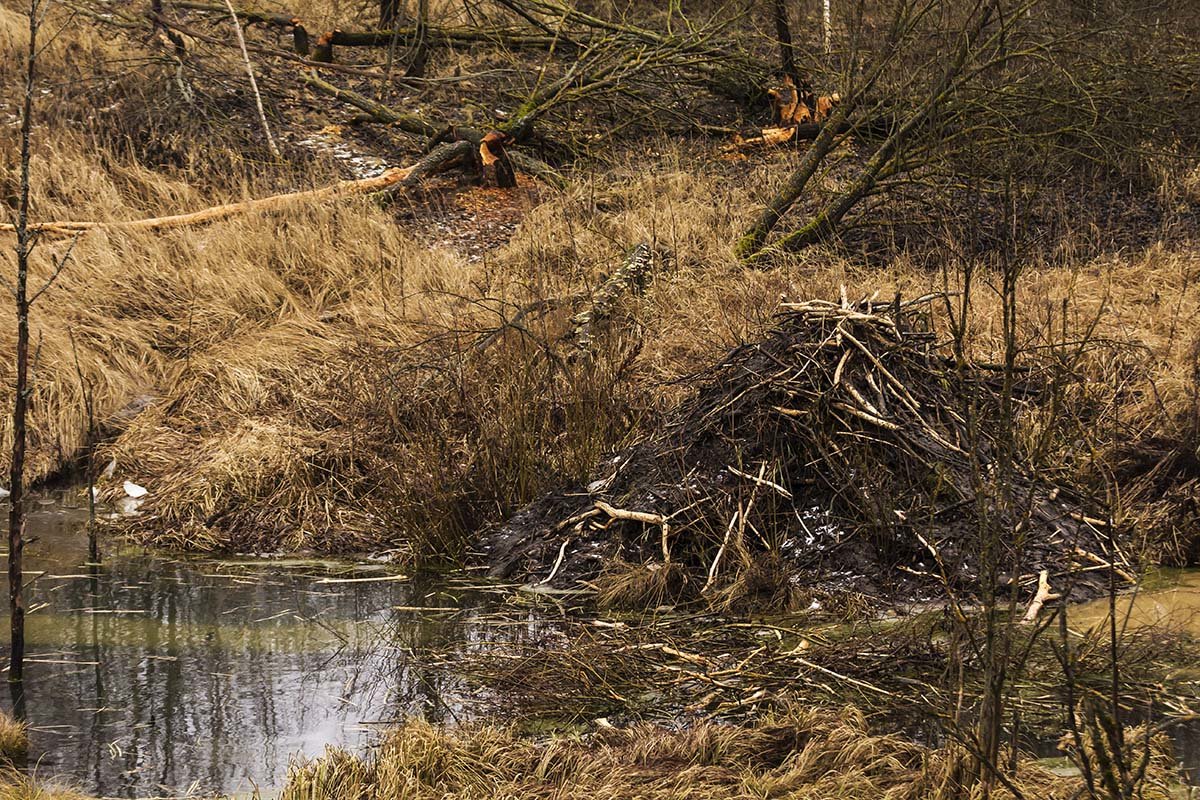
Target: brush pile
(845,454)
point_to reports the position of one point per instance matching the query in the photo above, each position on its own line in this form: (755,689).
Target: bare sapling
(26,235)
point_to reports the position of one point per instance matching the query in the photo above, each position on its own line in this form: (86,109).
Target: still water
(158,676)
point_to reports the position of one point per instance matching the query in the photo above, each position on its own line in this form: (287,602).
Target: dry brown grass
(799,753)
(290,352)
(14,739)
(315,380)
(19,786)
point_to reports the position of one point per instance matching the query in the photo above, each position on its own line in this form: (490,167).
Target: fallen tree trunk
(443,157)
(409,123)
(288,22)
(443,36)
(174,25)
(273,203)
(512,39)
(415,125)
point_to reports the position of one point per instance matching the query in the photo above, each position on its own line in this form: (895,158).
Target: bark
(439,159)
(826,25)
(783,32)
(16,514)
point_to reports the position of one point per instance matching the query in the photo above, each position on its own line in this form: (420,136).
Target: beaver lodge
(847,452)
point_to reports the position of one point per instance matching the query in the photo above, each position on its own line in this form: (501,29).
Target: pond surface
(1170,600)
(158,676)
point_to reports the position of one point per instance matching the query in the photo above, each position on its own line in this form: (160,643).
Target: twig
(640,516)
(262,115)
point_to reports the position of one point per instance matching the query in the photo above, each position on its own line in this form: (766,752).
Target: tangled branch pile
(845,451)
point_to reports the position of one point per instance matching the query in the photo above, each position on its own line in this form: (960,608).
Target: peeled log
(403,177)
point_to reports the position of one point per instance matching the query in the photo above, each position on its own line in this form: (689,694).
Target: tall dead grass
(19,786)
(795,752)
(14,739)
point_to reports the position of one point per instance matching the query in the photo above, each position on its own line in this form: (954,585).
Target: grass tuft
(14,739)
(804,753)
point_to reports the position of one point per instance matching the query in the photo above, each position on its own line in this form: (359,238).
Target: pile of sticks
(845,443)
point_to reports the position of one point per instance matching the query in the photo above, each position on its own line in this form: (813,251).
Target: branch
(207,215)
(262,115)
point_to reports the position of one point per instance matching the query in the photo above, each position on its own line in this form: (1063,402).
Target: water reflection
(156,676)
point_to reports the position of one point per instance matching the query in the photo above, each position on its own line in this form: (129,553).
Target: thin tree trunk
(389,10)
(783,32)
(827,25)
(753,239)
(258,103)
(16,516)
(420,49)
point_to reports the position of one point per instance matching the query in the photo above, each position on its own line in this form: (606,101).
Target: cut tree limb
(441,158)
(1040,599)
(643,517)
(273,203)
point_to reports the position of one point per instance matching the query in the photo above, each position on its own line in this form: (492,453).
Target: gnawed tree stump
(495,167)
